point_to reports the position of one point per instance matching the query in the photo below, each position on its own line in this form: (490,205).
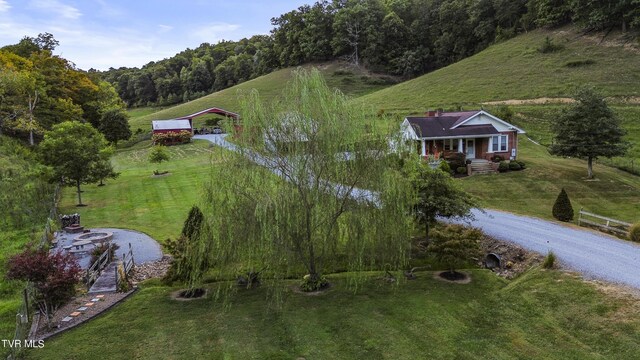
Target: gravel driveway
(595,255)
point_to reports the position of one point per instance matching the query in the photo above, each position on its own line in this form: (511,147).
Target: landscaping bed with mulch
(78,311)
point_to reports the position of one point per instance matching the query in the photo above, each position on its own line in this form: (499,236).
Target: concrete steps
(479,167)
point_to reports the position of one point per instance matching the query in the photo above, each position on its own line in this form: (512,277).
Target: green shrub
(522,164)
(342,72)
(562,209)
(348,80)
(170,138)
(634,232)
(444,166)
(497,158)
(548,46)
(503,166)
(549,261)
(578,63)
(461,170)
(513,165)
(455,160)
(308,284)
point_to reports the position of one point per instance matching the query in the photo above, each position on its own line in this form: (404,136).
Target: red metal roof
(213,110)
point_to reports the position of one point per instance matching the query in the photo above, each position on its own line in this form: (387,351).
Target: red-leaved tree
(54,276)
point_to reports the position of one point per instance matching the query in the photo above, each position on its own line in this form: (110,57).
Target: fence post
(580,215)
(25,295)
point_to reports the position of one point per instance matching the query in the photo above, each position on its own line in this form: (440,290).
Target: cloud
(164,28)
(214,32)
(110,11)
(4,6)
(56,7)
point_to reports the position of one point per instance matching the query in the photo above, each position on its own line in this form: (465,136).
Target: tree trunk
(590,168)
(313,272)
(426,226)
(79,192)
(31,142)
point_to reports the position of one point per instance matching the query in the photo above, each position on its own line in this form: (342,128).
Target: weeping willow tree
(291,199)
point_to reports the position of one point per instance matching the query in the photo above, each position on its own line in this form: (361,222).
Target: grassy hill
(515,69)
(352,81)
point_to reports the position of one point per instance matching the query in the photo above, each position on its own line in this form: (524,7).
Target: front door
(471,149)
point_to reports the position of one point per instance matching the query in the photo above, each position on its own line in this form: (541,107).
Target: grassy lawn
(537,120)
(533,191)
(514,69)
(136,200)
(542,314)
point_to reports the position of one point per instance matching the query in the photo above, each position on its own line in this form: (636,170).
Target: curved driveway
(593,254)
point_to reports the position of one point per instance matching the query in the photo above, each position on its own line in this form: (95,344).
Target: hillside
(515,69)
(351,81)
(532,84)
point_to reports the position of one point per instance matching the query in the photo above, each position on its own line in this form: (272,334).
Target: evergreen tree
(562,209)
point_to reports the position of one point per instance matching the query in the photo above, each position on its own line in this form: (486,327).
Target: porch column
(459,145)
(424,147)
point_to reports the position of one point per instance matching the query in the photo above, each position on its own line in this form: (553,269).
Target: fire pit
(74,229)
(94,237)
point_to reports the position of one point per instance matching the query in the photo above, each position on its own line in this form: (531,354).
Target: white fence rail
(603,222)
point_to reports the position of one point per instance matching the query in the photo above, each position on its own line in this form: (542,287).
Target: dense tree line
(401,37)
(194,72)
(39,89)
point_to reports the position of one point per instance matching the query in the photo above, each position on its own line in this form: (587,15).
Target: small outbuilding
(174,125)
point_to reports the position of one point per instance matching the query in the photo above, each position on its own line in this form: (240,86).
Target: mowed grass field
(541,315)
(138,200)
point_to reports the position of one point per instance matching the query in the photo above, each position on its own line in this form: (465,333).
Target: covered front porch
(472,148)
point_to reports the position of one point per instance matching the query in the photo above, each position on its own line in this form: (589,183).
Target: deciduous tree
(72,149)
(455,244)
(290,199)
(588,129)
(114,124)
(439,196)
(157,155)
(54,276)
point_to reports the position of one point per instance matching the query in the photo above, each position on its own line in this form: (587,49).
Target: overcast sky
(111,33)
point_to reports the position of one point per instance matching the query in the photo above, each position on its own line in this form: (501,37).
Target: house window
(499,143)
(448,144)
